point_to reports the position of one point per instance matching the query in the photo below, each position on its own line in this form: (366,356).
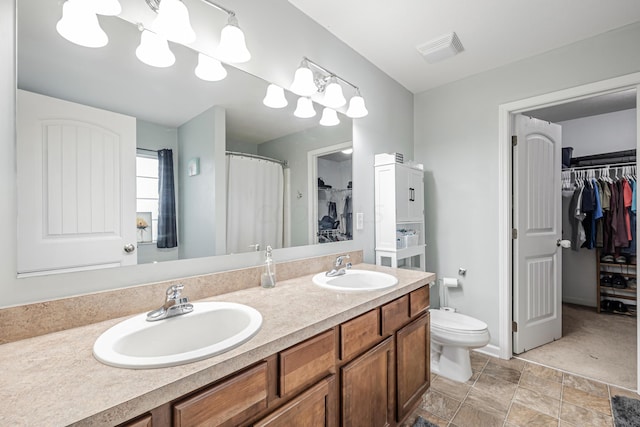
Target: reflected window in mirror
(147,197)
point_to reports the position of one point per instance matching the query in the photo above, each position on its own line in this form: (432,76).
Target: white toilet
(452,336)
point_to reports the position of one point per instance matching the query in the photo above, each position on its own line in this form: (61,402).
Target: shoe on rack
(607,258)
(621,259)
(632,283)
(619,307)
(606,305)
(606,281)
(618,281)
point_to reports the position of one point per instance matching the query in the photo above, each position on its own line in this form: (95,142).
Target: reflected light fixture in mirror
(79,24)
(210,69)
(304,108)
(329,117)
(275,97)
(154,50)
(310,79)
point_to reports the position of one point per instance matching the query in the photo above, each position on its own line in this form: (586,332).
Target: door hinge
(514,233)
(514,326)
(514,140)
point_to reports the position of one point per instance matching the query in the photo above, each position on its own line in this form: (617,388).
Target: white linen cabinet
(399,213)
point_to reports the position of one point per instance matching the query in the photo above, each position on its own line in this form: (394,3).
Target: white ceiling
(493,32)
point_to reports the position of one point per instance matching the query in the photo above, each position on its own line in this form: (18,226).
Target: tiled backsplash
(31,320)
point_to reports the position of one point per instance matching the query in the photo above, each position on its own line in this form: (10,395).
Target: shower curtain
(255,204)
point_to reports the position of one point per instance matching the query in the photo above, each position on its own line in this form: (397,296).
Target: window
(147,188)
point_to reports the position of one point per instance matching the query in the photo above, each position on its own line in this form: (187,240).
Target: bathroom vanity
(321,358)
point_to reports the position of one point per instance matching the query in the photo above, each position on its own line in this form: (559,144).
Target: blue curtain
(167,235)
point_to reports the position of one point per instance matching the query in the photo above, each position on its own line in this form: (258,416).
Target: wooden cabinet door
(413,369)
(316,407)
(368,388)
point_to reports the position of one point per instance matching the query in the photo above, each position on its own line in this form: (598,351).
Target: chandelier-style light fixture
(79,24)
(311,79)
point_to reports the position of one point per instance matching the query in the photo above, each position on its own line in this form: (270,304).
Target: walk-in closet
(599,266)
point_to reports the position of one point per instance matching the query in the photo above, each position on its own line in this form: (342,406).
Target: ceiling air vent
(441,48)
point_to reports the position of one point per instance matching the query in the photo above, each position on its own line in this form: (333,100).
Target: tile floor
(510,393)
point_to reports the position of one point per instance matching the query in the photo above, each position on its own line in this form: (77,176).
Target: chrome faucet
(337,270)
(174,305)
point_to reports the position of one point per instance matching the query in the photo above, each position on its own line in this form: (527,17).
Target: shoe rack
(617,283)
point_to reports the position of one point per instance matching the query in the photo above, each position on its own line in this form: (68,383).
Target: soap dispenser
(268,276)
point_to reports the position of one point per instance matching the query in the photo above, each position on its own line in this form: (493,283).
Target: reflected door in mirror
(76,186)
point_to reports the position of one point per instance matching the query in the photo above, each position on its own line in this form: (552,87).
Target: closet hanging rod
(607,166)
(256,156)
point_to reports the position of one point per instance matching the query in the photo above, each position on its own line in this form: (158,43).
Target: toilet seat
(455,322)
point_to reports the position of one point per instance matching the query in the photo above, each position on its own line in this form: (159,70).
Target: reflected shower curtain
(167,236)
(255,204)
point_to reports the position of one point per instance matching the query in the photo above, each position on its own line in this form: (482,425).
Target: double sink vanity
(314,350)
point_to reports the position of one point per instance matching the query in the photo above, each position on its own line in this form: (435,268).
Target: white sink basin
(356,280)
(211,328)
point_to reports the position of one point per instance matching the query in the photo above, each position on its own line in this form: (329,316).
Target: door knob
(564,243)
(129,248)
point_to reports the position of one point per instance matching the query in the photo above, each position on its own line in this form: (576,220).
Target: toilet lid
(456,321)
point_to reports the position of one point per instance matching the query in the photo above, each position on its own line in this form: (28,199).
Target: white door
(76,186)
(537,262)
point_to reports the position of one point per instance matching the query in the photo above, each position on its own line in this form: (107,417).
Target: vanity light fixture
(232,47)
(106,7)
(333,96)
(154,50)
(275,97)
(303,83)
(310,78)
(172,21)
(210,69)
(304,108)
(357,108)
(329,117)
(79,24)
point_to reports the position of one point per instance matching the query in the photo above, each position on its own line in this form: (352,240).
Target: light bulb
(329,117)
(356,108)
(304,108)
(210,69)
(154,50)
(333,96)
(106,7)
(232,47)
(173,23)
(79,24)
(275,97)
(303,83)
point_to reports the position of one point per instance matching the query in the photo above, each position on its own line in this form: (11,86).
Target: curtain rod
(256,156)
(147,149)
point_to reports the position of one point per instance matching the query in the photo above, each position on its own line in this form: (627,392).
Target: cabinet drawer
(359,334)
(418,301)
(307,362)
(315,407)
(395,315)
(226,404)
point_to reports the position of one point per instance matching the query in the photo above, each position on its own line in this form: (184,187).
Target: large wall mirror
(243,177)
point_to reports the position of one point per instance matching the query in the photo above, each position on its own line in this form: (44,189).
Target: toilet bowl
(452,336)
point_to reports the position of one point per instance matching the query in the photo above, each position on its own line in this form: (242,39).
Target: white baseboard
(489,350)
